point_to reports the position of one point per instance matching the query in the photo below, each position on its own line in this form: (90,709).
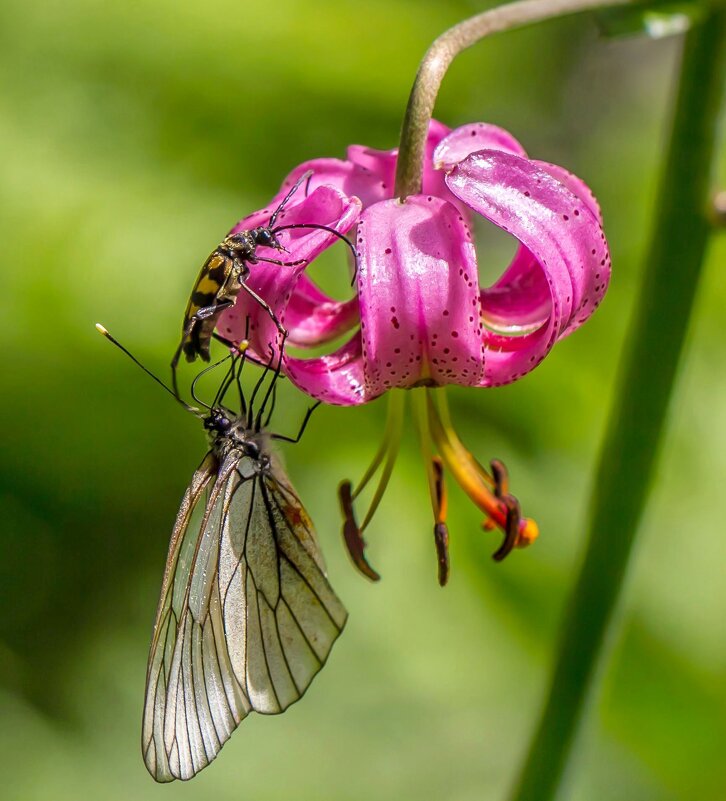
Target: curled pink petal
(560,231)
(336,378)
(521,294)
(419,296)
(347,177)
(379,163)
(325,205)
(314,318)
(419,306)
(258,218)
(468,139)
(382,164)
(576,185)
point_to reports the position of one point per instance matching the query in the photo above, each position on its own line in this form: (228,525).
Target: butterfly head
(217,422)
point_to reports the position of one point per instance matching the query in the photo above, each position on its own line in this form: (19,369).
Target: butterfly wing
(193,702)
(246,617)
(293,617)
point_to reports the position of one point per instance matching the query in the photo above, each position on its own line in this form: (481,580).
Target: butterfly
(246,617)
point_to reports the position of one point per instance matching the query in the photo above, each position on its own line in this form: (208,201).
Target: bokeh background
(132,136)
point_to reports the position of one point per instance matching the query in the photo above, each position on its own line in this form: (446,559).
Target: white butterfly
(246,617)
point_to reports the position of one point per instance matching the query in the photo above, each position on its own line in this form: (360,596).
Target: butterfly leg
(307,417)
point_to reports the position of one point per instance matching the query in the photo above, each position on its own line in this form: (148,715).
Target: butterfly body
(246,616)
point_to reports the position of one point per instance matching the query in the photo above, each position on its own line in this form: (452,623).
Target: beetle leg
(199,315)
(251,292)
(277,261)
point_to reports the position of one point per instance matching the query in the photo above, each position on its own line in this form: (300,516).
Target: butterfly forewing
(246,616)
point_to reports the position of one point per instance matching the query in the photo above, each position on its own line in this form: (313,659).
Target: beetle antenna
(335,233)
(306,176)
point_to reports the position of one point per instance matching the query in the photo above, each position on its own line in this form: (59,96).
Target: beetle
(224,274)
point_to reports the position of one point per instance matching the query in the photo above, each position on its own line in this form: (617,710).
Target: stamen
(489,492)
(441,531)
(352,534)
(511,530)
(386,456)
(501,478)
(442,408)
(437,487)
(389,449)
(441,540)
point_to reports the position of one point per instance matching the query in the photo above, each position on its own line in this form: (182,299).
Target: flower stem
(637,419)
(438,58)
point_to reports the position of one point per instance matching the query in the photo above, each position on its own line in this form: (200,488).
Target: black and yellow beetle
(220,280)
(224,274)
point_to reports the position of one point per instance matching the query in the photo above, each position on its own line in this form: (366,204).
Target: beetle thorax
(241,244)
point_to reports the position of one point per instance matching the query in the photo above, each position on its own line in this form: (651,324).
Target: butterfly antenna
(104,332)
(226,382)
(203,373)
(306,176)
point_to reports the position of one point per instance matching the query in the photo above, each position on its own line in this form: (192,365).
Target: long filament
(389,450)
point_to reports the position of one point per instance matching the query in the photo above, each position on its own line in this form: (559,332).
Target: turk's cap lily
(419,316)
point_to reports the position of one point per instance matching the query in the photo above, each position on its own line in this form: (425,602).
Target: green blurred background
(132,136)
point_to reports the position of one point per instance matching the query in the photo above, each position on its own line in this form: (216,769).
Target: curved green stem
(637,420)
(438,58)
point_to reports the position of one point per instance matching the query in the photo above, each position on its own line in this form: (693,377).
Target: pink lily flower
(420,318)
